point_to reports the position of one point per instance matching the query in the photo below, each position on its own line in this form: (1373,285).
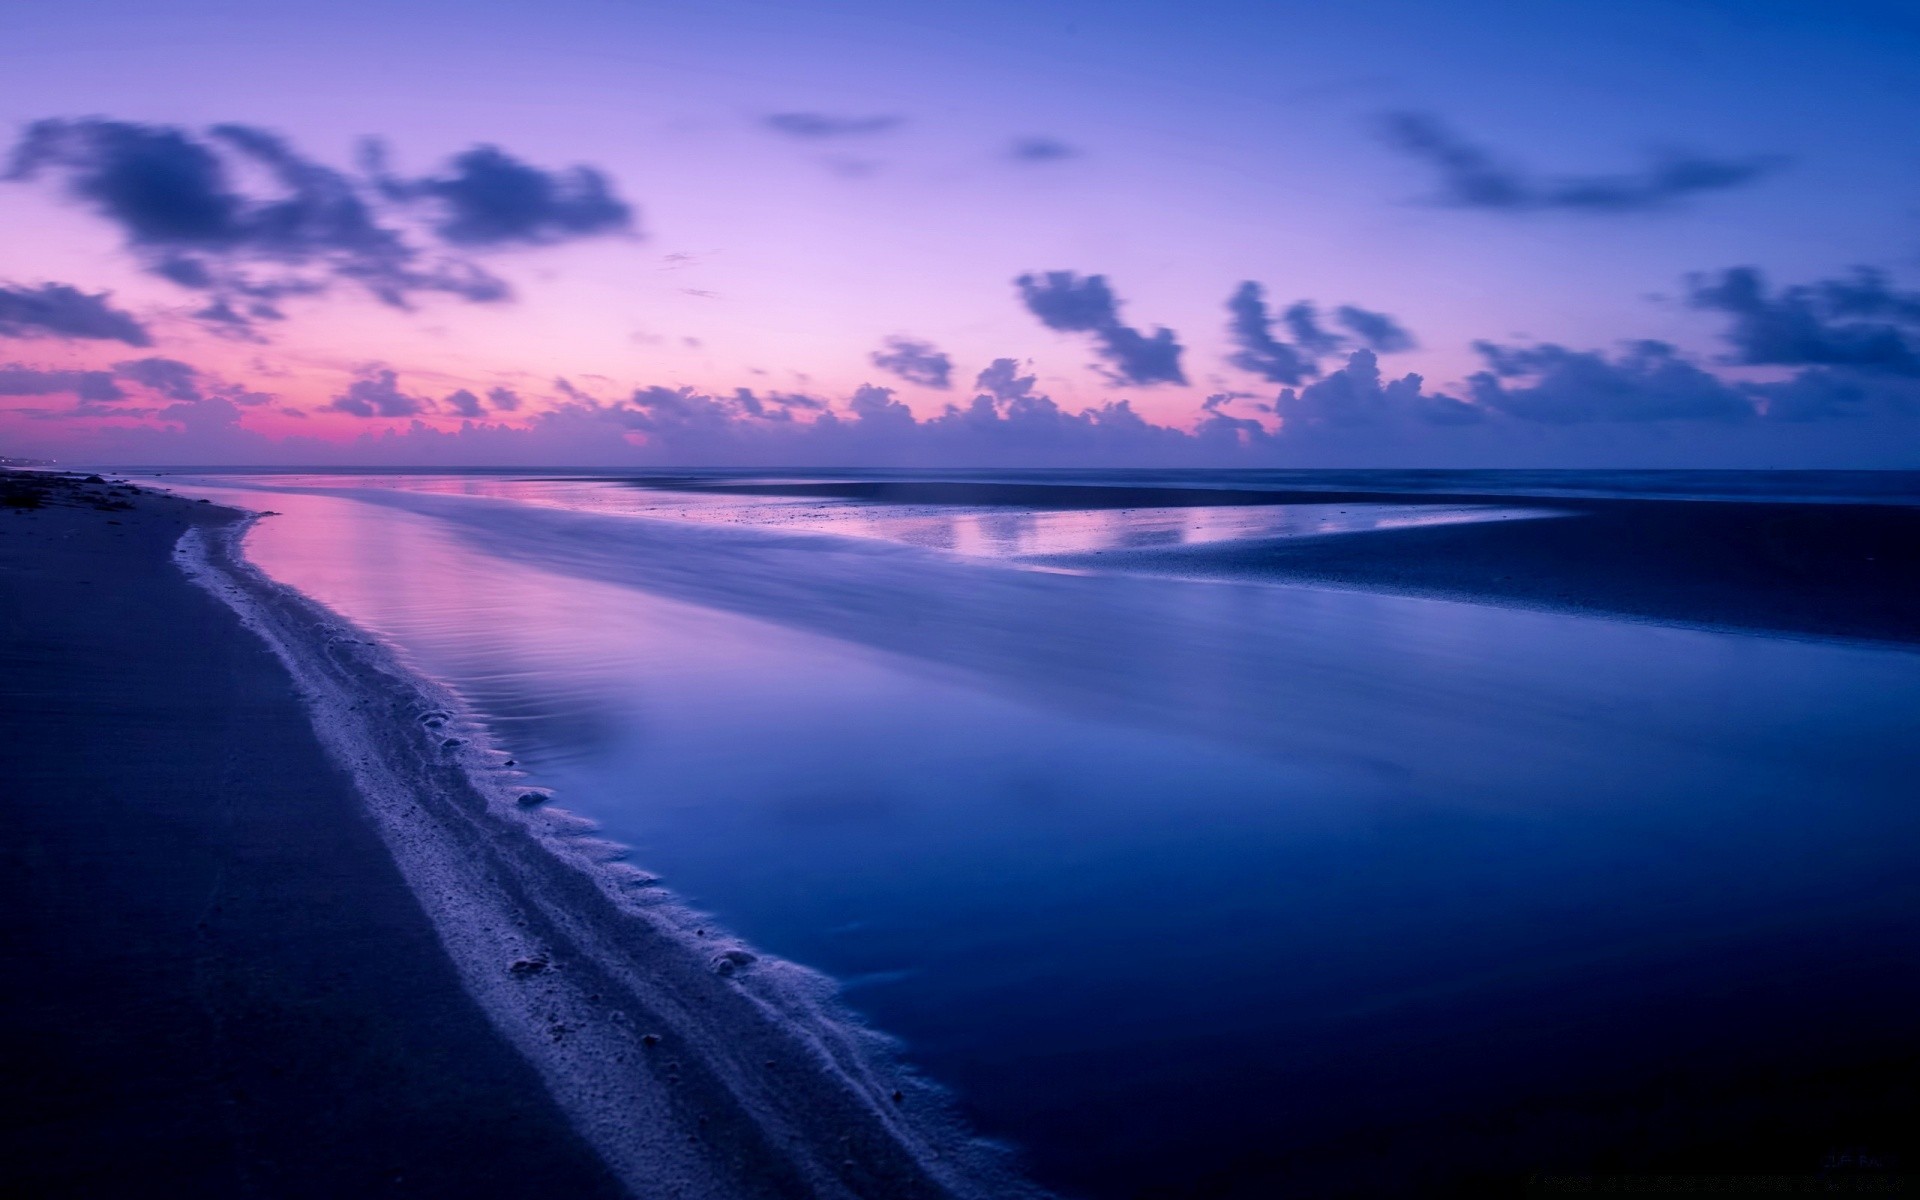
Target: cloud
(57,310)
(1473,177)
(378,394)
(463,403)
(1378,330)
(916,362)
(1649,381)
(236,212)
(503,399)
(168,376)
(1357,395)
(1860,321)
(1072,303)
(1250,327)
(817,126)
(16,380)
(178,200)
(489,198)
(1034,150)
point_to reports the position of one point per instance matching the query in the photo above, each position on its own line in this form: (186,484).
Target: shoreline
(228,990)
(686,1064)
(685,1059)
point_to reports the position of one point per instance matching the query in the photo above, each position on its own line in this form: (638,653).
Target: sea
(1198,887)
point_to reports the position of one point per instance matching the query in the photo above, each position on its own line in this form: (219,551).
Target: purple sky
(591,233)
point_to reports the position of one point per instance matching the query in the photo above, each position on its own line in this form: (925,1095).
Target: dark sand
(219,984)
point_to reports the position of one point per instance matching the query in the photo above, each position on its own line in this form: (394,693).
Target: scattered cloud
(1470,176)
(489,198)
(191,391)
(57,310)
(1378,331)
(463,403)
(378,394)
(16,380)
(816,126)
(168,376)
(1034,150)
(1260,351)
(1073,303)
(237,213)
(916,362)
(1250,328)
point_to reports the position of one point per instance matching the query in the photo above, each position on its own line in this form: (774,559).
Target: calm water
(1187,886)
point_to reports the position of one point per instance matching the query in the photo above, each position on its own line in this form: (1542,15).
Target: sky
(605,232)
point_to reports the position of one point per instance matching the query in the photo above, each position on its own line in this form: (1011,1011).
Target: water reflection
(976,530)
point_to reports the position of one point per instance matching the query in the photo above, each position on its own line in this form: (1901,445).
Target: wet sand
(304,932)
(1818,570)
(222,987)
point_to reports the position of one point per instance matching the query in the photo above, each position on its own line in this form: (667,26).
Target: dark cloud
(168,376)
(1649,381)
(1259,350)
(1860,321)
(489,198)
(16,380)
(1251,329)
(1302,320)
(686,415)
(57,310)
(238,213)
(378,394)
(1357,394)
(1040,150)
(178,199)
(1379,331)
(816,126)
(916,362)
(1473,177)
(186,383)
(1074,303)
(1830,394)
(463,403)
(503,399)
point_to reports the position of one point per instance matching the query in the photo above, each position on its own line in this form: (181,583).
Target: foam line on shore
(694,1066)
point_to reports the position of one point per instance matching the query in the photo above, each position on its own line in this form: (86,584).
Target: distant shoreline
(1847,571)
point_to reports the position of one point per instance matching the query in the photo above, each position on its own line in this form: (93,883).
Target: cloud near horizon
(1259,351)
(1839,351)
(57,310)
(915,361)
(1860,321)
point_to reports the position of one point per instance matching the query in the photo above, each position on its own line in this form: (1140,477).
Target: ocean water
(1191,888)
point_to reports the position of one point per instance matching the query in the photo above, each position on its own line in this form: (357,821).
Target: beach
(238,977)
(226,988)
(1261,889)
